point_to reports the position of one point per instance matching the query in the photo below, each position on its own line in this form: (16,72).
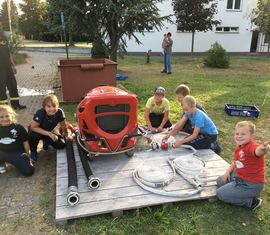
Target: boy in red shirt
(244,179)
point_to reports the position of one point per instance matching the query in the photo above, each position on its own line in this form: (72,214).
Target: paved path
(23,200)
(35,82)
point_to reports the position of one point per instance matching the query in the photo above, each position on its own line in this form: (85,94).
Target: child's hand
(265,145)
(177,144)
(165,138)
(153,129)
(226,177)
(69,137)
(53,136)
(160,129)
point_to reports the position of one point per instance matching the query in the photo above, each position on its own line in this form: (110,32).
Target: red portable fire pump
(107,121)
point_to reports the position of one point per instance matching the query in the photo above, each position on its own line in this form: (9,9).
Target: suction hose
(73,196)
(93,181)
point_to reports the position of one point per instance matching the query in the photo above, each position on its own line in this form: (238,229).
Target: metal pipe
(93,182)
(73,196)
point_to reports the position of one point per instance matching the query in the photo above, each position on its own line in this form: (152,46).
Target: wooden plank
(127,203)
(119,182)
(118,191)
(129,191)
(130,167)
(122,164)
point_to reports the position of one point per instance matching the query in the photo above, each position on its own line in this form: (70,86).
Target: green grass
(245,82)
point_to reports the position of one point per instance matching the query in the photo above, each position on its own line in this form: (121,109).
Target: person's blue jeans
(19,160)
(167,63)
(238,191)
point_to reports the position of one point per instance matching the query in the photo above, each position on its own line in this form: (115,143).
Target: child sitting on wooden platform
(204,135)
(244,179)
(156,111)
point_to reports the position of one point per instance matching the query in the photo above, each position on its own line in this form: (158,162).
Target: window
(142,28)
(234,4)
(221,29)
(266,38)
(180,31)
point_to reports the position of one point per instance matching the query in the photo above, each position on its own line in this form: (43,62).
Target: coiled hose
(189,167)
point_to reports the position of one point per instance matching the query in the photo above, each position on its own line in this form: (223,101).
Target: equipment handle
(85,67)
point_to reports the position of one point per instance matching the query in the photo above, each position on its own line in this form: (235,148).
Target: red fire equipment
(107,121)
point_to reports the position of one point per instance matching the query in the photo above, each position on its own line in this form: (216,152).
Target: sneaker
(3,168)
(256,203)
(45,145)
(34,156)
(169,73)
(163,71)
(215,147)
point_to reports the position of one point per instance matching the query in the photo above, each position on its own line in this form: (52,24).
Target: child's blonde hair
(190,101)
(182,90)
(50,99)
(6,108)
(251,126)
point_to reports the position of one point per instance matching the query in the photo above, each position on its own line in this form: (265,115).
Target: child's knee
(220,181)
(28,172)
(219,194)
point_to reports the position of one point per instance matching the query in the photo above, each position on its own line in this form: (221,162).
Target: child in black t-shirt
(43,124)
(14,146)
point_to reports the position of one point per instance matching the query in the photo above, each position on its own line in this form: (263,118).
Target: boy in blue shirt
(204,134)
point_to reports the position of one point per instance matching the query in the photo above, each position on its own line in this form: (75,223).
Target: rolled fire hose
(152,179)
(73,196)
(93,182)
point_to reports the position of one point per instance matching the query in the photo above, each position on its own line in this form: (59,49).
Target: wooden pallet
(118,192)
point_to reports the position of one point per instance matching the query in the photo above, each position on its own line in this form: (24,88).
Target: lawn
(247,81)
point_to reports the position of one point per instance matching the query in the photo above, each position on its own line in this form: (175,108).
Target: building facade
(235,33)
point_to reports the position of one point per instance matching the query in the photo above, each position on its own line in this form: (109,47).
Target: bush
(14,43)
(217,57)
(99,49)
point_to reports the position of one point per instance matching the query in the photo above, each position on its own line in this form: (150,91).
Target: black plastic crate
(242,110)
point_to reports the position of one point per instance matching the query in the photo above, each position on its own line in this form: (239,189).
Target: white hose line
(163,192)
(191,177)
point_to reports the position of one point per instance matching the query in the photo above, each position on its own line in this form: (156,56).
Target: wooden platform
(118,192)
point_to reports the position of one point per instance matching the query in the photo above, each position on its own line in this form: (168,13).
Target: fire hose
(93,182)
(187,166)
(73,196)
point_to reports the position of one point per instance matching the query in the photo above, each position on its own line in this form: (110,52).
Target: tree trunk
(192,43)
(113,56)
(114,41)
(114,37)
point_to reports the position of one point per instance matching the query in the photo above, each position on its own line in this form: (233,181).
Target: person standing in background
(167,49)
(7,77)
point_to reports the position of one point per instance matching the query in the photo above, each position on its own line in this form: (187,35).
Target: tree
(114,21)
(4,16)
(74,15)
(195,15)
(32,21)
(261,17)
(110,22)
